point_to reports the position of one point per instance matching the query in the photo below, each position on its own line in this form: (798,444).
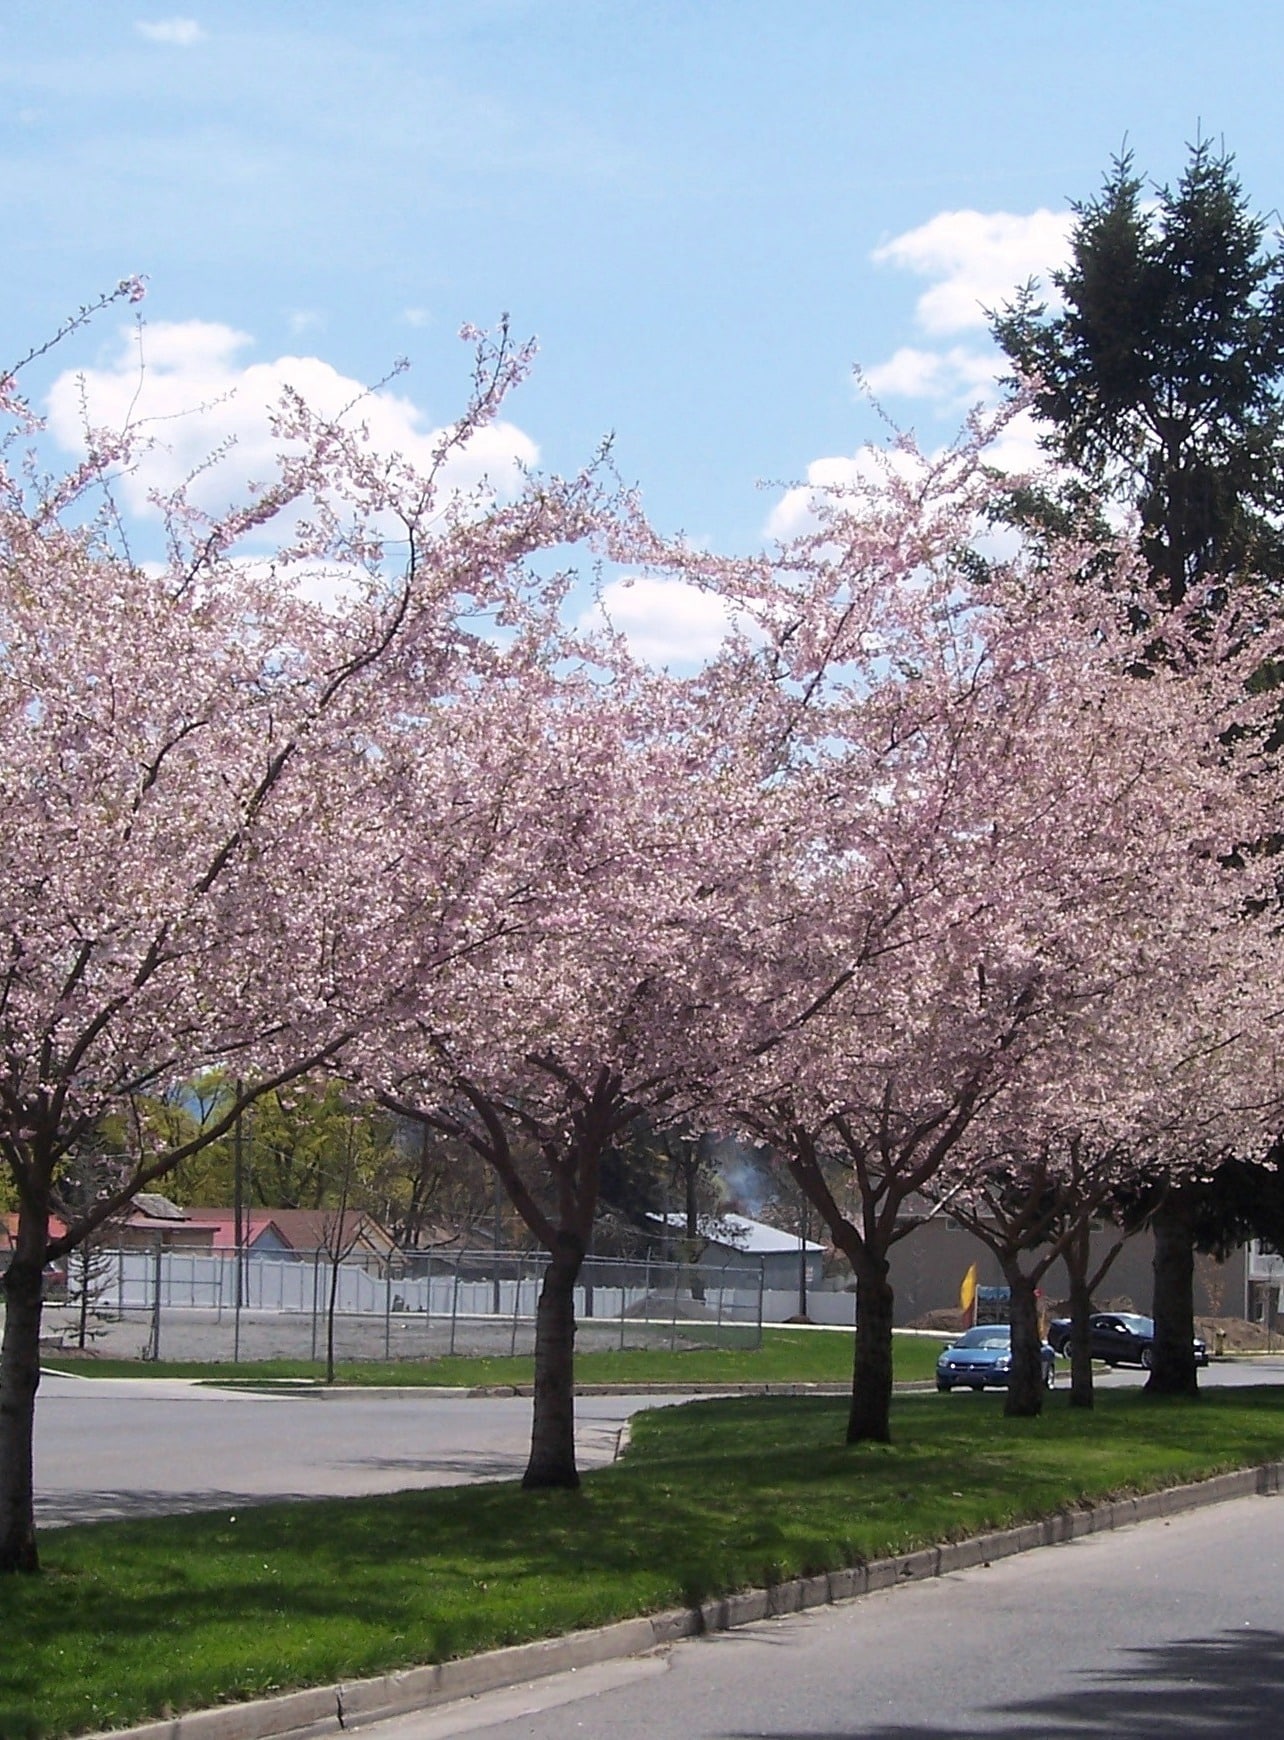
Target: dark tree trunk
(1173,1371)
(689,1181)
(19,1380)
(331,1307)
(82,1315)
(871,1407)
(1025,1375)
(552,1458)
(1082,1392)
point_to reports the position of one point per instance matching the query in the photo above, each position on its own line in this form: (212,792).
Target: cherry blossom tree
(1168,1075)
(204,779)
(994,828)
(624,840)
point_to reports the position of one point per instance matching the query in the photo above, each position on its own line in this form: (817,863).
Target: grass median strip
(139,1619)
(785,1356)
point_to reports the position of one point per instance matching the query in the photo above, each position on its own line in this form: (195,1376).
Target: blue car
(982,1358)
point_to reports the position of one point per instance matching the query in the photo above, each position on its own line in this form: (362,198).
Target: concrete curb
(685,1389)
(299,1387)
(484,1392)
(330,1710)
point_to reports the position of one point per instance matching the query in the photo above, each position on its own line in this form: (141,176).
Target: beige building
(928,1268)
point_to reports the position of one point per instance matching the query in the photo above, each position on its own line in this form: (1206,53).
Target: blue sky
(708,212)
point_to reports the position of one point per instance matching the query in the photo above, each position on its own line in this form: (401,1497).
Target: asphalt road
(1166,1631)
(112,1447)
(1259,1369)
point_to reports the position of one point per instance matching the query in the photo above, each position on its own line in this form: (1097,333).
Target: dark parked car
(982,1358)
(1118,1337)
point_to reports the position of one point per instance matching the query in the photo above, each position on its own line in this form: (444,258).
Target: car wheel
(944,1388)
(1147,1358)
(977,1388)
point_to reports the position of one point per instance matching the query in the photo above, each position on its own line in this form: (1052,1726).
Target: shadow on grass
(1230,1686)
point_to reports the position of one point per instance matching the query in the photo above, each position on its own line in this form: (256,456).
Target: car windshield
(1138,1325)
(985,1337)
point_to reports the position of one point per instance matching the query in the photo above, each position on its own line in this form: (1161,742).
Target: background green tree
(1159,383)
(1158,379)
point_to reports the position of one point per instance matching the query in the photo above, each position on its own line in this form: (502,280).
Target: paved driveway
(111,1447)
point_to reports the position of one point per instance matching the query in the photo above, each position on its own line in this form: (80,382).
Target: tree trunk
(693,1230)
(871,1408)
(552,1458)
(331,1308)
(82,1316)
(1024,1399)
(1082,1392)
(19,1380)
(1173,1371)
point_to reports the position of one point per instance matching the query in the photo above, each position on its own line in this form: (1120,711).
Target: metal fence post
(153,1348)
(518,1278)
(316,1295)
(762,1282)
(387,1310)
(673,1319)
(454,1306)
(236,1313)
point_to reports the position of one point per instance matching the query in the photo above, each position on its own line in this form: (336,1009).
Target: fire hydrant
(1219,1343)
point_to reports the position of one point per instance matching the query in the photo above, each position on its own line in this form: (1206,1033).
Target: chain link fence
(176,1304)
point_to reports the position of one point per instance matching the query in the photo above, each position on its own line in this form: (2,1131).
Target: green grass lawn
(130,1619)
(785,1356)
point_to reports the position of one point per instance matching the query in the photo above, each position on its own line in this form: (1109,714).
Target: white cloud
(955,376)
(416,316)
(1014,449)
(173,32)
(663,621)
(867,468)
(978,260)
(186,387)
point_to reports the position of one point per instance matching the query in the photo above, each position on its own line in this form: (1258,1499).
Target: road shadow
(1229,1687)
(454,1470)
(419,1473)
(60,1509)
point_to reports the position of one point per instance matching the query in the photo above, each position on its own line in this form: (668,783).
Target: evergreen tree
(1159,379)
(1159,384)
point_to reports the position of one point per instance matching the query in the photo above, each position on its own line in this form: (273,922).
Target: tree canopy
(1157,372)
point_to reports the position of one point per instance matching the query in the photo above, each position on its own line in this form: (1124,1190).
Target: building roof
(740,1233)
(151,1205)
(9,1230)
(298,1229)
(221,1222)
